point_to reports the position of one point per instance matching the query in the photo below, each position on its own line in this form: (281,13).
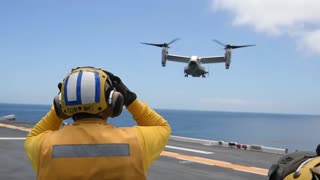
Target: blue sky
(40,41)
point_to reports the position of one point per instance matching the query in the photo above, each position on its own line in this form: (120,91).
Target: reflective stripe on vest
(90,150)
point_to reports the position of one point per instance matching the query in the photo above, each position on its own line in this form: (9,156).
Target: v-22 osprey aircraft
(195,67)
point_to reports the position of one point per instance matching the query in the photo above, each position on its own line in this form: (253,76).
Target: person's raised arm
(49,122)
(153,129)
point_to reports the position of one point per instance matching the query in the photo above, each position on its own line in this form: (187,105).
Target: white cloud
(311,41)
(297,18)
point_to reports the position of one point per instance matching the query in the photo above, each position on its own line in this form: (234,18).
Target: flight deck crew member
(91,148)
(303,165)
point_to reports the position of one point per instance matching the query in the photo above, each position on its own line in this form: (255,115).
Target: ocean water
(294,132)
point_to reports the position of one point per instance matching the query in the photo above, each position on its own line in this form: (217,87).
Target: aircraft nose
(192,64)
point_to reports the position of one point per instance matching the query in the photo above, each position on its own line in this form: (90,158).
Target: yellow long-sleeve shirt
(152,130)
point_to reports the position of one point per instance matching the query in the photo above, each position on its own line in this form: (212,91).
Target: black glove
(128,95)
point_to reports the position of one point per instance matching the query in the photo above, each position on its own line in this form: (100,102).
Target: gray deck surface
(15,165)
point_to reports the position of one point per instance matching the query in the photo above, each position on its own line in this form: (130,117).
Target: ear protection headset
(87,90)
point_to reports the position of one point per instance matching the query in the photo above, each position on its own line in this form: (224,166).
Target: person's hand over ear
(128,95)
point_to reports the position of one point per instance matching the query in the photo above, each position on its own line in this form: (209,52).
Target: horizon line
(204,110)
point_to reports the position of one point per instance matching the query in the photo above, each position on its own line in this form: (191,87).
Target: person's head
(318,150)
(87,92)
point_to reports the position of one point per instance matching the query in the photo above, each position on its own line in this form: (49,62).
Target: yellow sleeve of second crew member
(153,129)
(33,141)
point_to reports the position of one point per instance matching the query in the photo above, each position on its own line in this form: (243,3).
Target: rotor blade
(151,44)
(235,47)
(219,42)
(176,39)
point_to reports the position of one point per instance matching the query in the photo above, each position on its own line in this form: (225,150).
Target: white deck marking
(12,138)
(190,150)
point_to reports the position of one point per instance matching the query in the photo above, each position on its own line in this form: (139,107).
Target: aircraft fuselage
(194,68)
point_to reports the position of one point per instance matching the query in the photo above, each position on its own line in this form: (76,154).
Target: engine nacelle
(228,58)
(164,60)
(164,57)
(227,65)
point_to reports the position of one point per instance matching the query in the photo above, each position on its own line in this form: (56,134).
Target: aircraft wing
(177,58)
(217,59)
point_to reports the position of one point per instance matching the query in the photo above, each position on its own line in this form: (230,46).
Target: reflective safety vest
(91,151)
